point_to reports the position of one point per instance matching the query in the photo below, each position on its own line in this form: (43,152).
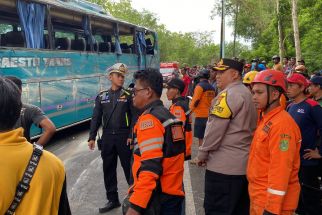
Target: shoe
(109,206)
(194,161)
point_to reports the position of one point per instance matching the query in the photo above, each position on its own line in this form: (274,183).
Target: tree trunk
(235,28)
(296,30)
(222,36)
(280,31)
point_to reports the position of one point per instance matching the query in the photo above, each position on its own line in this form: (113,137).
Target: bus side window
(95,47)
(105,47)
(126,48)
(125,40)
(149,46)
(79,44)
(103,43)
(63,43)
(63,40)
(13,38)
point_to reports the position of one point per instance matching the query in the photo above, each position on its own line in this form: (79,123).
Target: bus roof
(80,7)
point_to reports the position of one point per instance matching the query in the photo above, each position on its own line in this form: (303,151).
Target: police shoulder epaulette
(103,94)
(126,92)
(103,91)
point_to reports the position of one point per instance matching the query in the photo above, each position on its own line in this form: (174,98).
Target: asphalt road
(85,176)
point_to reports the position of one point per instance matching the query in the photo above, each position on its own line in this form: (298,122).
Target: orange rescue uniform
(203,94)
(283,101)
(158,154)
(273,165)
(181,111)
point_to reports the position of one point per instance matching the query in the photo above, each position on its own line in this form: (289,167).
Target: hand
(91,144)
(201,163)
(312,154)
(128,141)
(131,211)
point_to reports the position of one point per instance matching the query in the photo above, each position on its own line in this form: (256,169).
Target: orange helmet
(271,77)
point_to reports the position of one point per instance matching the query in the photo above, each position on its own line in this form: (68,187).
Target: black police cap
(226,63)
(176,83)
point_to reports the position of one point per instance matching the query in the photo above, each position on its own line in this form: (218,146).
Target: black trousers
(226,194)
(171,205)
(114,145)
(310,196)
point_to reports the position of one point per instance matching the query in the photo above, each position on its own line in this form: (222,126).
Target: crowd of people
(281,139)
(258,132)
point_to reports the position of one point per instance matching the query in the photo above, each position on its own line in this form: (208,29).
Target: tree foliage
(194,48)
(257,23)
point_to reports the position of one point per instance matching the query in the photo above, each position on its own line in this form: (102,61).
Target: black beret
(176,83)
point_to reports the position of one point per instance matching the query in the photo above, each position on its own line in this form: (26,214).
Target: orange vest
(274,162)
(203,94)
(158,153)
(181,111)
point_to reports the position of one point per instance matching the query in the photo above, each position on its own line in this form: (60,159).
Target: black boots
(109,206)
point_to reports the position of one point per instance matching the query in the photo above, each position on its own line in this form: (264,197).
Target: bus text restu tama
(15,62)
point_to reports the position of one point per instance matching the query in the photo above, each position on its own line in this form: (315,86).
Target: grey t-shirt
(30,114)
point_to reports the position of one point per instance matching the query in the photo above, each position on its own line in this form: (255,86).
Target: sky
(185,15)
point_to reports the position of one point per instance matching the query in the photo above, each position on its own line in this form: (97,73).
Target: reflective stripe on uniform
(151,147)
(136,146)
(152,140)
(188,112)
(276,192)
(169,122)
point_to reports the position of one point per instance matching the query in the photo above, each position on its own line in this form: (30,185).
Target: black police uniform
(113,109)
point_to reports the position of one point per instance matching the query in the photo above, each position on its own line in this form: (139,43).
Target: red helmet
(271,77)
(297,78)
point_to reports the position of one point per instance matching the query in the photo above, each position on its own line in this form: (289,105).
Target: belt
(116,131)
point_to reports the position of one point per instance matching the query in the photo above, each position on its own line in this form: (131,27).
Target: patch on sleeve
(284,142)
(221,108)
(178,114)
(177,133)
(146,124)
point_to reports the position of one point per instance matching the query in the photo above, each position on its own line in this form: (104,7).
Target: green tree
(190,48)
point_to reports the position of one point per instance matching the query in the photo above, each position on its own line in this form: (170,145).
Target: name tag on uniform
(146,124)
(122,100)
(105,101)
